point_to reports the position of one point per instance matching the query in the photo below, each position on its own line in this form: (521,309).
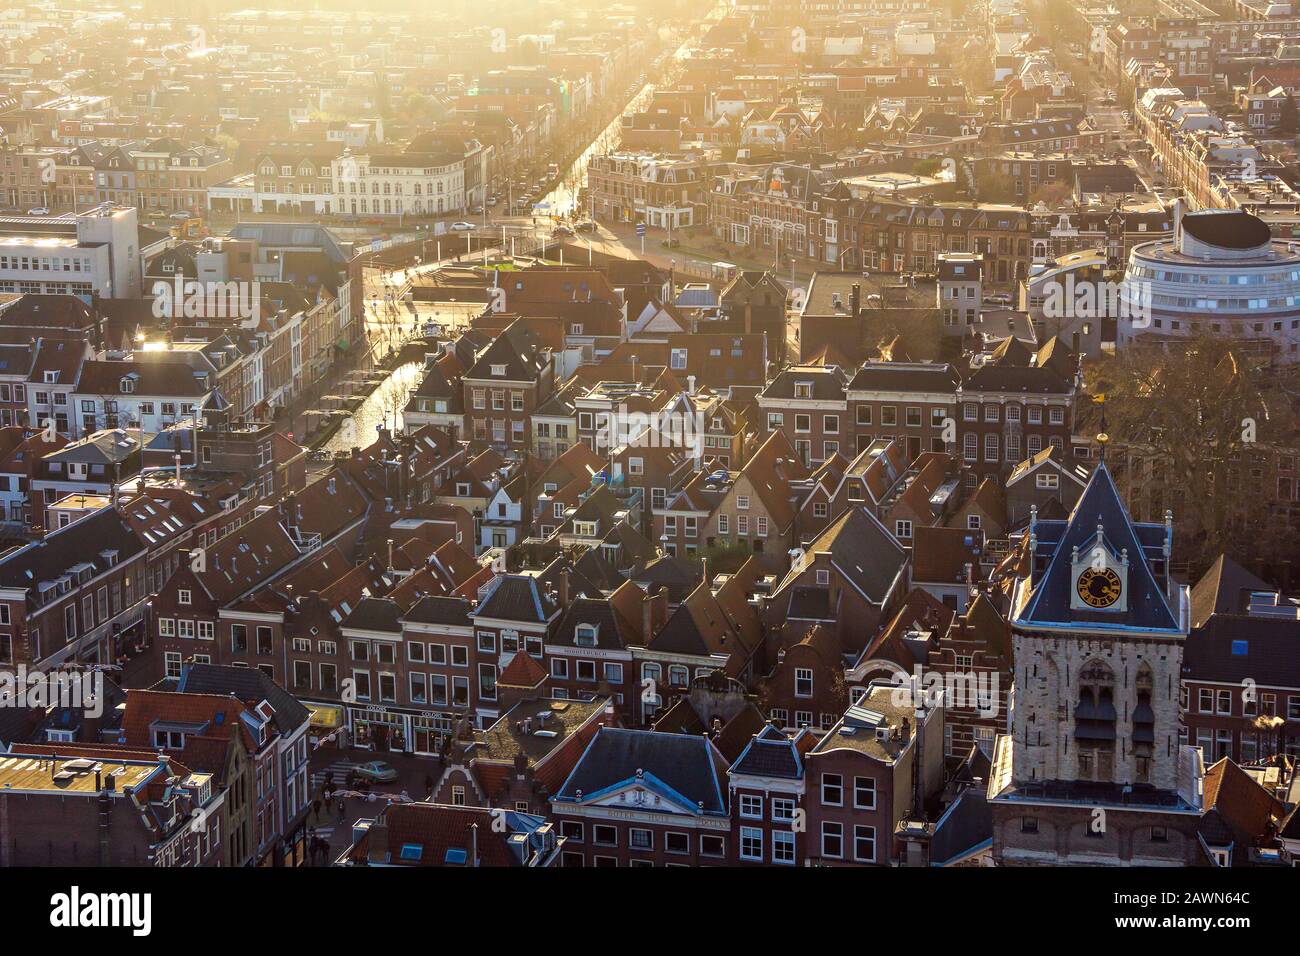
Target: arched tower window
(1144,726)
(1094,722)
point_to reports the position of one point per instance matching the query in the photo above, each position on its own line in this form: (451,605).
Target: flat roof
(37,774)
(39,242)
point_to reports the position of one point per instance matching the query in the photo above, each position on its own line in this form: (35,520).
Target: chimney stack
(855,300)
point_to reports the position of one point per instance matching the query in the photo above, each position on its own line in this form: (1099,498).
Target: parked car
(462,227)
(376,771)
(181,215)
(561,230)
(38,211)
(586,226)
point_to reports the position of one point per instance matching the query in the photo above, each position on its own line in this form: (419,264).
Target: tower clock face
(1099,587)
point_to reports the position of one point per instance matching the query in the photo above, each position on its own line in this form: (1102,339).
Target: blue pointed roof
(1100,504)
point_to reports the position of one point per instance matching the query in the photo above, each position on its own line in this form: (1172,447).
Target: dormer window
(169,740)
(128,384)
(51,377)
(499,371)
(803,389)
(585,635)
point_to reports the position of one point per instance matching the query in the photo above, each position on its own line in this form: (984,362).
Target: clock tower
(1100,576)
(1093,771)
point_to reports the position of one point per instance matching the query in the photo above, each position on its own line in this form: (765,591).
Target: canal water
(382,406)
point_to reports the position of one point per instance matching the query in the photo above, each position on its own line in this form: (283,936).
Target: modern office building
(1221,275)
(94,252)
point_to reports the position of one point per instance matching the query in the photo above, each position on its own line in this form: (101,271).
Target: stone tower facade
(1056,673)
(1093,771)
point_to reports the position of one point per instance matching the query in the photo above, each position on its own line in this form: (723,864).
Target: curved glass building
(1221,275)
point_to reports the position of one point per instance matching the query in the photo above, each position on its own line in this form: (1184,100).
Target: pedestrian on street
(343,809)
(315,806)
(428,786)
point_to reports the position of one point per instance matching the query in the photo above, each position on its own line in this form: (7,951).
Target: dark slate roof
(827,384)
(17,723)
(680,635)
(965,826)
(148,378)
(516,348)
(248,684)
(1267,650)
(809,603)
(516,597)
(596,572)
(1224,589)
(1227,229)
(52,556)
(440,610)
(1099,504)
(679,575)
(770,754)
(864,552)
(375,614)
(588,611)
(436,385)
(904,377)
(108,447)
(688,765)
(1014,378)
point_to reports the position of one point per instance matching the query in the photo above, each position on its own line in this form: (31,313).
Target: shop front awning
(326,716)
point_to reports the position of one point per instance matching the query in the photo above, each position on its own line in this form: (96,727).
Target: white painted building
(396,184)
(93,252)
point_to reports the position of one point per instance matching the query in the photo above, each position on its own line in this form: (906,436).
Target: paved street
(413,775)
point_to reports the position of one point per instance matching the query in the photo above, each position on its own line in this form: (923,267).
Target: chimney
(378,843)
(855,300)
(690,384)
(563,586)
(647,618)
(1178,223)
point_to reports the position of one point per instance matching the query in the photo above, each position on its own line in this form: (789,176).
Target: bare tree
(1197,430)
